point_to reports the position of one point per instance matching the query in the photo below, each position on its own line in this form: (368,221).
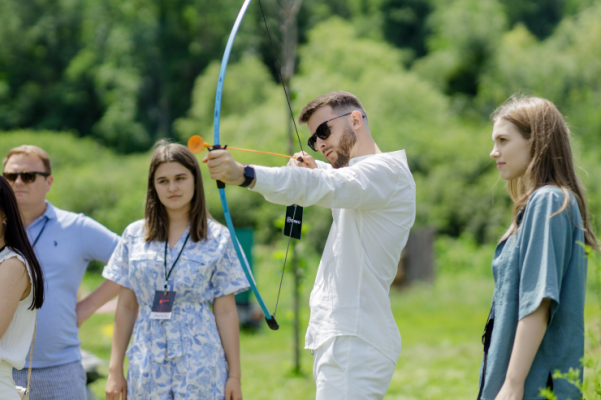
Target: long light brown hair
(551,161)
(156,219)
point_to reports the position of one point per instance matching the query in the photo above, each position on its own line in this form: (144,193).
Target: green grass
(440,327)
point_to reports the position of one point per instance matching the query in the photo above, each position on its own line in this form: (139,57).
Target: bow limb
(226,211)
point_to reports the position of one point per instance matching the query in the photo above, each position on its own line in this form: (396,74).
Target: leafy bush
(89,178)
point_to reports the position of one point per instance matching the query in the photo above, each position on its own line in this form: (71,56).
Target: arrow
(196,144)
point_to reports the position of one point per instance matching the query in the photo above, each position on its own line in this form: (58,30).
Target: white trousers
(348,368)
(7,386)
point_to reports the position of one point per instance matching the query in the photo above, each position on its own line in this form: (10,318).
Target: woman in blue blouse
(536,324)
(172,266)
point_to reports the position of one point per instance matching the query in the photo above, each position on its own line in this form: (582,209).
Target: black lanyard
(167,275)
(40,234)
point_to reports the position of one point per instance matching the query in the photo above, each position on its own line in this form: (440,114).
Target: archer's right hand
(308,161)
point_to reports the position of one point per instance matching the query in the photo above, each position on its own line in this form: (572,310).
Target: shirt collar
(400,154)
(50,213)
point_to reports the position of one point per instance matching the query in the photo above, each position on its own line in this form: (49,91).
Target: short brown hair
(156,220)
(338,100)
(30,150)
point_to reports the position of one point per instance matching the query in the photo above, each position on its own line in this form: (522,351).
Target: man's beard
(343,151)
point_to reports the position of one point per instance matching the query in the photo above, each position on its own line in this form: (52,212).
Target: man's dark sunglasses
(26,176)
(323,131)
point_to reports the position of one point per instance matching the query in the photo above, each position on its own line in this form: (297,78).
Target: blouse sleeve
(117,269)
(545,251)
(228,277)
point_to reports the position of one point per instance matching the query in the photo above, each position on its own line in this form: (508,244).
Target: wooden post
(296,306)
(289,29)
(417,259)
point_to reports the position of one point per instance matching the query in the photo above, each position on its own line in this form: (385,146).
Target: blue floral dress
(179,358)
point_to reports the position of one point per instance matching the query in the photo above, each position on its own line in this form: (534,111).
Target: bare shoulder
(12,267)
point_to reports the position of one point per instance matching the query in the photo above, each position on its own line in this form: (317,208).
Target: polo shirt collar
(50,213)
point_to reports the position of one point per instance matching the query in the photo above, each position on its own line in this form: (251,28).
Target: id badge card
(162,304)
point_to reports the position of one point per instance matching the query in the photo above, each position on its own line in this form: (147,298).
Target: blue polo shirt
(67,243)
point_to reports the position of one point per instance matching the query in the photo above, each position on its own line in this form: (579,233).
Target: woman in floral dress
(172,266)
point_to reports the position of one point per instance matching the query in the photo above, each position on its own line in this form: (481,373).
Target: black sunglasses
(26,176)
(323,131)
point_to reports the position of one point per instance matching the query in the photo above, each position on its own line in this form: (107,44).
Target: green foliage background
(429,73)
(97,82)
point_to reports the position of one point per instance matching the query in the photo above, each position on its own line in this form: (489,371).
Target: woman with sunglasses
(536,323)
(21,291)
(172,267)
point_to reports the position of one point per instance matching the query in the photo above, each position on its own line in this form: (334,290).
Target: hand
(83,312)
(232,389)
(224,168)
(510,392)
(309,161)
(116,386)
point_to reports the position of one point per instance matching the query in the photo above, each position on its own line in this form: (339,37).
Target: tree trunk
(296,306)
(289,29)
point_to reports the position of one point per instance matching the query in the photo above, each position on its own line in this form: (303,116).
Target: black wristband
(249,175)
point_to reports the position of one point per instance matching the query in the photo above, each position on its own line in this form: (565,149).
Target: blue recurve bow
(269,318)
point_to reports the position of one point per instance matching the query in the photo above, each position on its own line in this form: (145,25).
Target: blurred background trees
(122,74)
(97,82)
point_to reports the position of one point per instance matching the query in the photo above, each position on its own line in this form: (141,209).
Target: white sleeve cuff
(264,180)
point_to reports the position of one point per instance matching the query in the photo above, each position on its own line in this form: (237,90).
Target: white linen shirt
(373,204)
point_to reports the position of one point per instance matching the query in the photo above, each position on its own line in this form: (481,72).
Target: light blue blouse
(205,270)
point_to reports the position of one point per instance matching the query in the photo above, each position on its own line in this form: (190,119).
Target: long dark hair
(16,238)
(543,126)
(157,221)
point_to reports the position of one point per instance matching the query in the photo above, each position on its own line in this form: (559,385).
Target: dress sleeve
(545,251)
(228,277)
(117,269)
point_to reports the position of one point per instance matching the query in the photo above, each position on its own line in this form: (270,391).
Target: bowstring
(277,63)
(279,69)
(284,267)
